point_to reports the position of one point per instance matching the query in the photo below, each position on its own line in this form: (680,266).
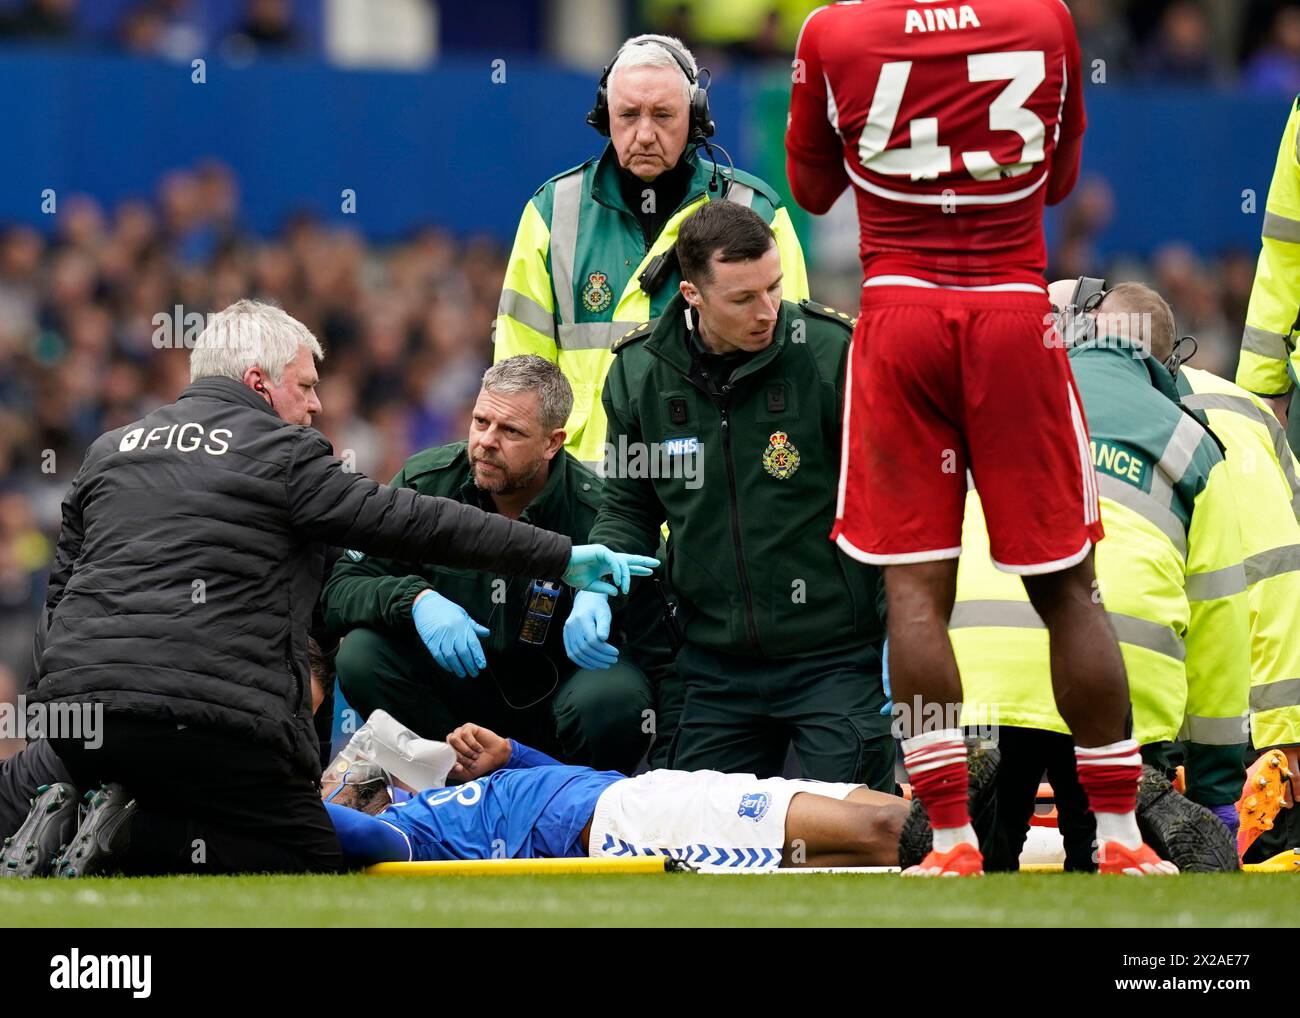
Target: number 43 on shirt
(924,158)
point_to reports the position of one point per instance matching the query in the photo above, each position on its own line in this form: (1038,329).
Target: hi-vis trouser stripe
(1252,411)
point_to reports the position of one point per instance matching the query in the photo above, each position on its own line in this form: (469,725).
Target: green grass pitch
(1051,900)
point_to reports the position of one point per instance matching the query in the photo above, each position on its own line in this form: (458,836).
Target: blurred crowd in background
(1253,43)
(83,349)
(407,327)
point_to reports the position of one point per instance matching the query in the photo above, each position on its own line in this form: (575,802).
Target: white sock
(1121,827)
(948,838)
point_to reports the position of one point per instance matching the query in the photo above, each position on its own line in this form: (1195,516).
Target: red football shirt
(955,123)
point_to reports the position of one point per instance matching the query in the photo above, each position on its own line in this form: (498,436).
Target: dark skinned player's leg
(923,672)
(1091,689)
(1088,676)
(861,830)
(921,663)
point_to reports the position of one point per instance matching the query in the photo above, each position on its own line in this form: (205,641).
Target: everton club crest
(781,458)
(596,295)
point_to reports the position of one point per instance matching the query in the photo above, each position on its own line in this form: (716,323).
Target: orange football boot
(1266,792)
(964,860)
(1112,857)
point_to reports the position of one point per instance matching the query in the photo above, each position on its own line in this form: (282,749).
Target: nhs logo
(681,446)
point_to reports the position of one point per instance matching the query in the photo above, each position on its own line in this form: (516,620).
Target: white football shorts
(705,818)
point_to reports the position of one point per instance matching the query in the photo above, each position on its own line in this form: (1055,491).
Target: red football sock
(1109,775)
(936,766)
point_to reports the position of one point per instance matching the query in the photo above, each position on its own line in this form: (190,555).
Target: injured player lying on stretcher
(482,796)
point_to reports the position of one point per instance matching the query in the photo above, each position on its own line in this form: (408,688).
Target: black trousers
(209,802)
(742,714)
(1029,754)
(1026,754)
(20,776)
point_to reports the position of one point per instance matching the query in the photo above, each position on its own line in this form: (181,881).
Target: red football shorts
(944,381)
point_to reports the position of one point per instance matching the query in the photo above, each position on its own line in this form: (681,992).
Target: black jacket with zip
(190,557)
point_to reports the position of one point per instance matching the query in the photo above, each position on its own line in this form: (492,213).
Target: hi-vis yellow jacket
(1169,571)
(1265,481)
(571,287)
(1266,347)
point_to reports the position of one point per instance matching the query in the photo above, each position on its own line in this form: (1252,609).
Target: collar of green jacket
(549,504)
(1124,355)
(605,186)
(1140,362)
(669,340)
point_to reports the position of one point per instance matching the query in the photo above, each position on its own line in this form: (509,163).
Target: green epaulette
(640,332)
(825,311)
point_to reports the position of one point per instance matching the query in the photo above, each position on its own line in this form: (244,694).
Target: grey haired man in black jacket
(179,603)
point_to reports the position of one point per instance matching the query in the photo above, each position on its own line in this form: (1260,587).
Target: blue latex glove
(888,708)
(1228,814)
(586,631)
(589,562)
(450,634)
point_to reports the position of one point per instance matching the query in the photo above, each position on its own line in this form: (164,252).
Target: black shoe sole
(1185,833)
(105,830)
(916,839)
(51,824)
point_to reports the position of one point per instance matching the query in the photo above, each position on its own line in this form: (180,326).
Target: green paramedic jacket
(746,481)
(376,593)
(1169,571)
(571,287)
(1265,482)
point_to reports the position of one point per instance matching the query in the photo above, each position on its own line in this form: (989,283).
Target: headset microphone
(729,177)
(1176,358)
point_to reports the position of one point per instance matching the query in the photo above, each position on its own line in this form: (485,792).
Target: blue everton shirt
(533,808)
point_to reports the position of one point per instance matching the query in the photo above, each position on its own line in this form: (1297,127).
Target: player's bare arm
(479,752)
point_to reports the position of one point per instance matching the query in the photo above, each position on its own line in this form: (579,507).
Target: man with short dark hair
(724,422)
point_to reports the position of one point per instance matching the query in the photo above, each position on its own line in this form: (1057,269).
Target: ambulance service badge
(596,295)
(781,458)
